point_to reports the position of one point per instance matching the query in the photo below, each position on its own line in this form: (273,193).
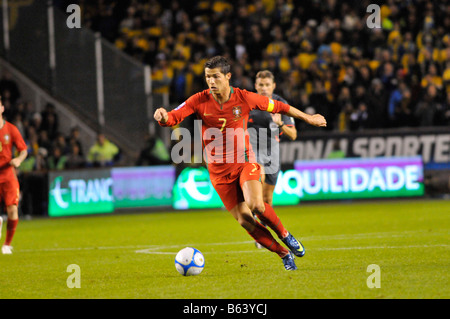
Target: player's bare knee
(256,206)
(12,212)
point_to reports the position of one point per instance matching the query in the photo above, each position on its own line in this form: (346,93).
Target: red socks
(263,236)
(270,218)
(11,226)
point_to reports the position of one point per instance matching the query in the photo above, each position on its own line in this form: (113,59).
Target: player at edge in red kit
(9,185)
(234,173)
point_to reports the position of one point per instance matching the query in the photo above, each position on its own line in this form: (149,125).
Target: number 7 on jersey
(224,123)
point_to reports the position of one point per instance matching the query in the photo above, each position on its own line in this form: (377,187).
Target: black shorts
(271,179)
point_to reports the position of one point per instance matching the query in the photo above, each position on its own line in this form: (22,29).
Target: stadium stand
(324,56)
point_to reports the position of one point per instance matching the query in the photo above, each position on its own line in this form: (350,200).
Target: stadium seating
(318,51)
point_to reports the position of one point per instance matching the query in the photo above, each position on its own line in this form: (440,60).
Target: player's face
(217,81)
(265,86)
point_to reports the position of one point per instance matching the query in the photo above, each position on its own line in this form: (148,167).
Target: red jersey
(9,137)
(224,126)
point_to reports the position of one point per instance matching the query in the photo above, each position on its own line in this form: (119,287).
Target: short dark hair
(219,62)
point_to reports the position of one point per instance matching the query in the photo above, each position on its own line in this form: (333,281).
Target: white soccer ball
(189,261)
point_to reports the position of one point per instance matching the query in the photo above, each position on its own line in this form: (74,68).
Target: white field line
(157,249)
(393,234)
(83,248)
(382,247)
(153,252)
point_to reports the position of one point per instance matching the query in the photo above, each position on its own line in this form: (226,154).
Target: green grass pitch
(131,255)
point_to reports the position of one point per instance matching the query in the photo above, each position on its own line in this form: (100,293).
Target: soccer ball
(189,261)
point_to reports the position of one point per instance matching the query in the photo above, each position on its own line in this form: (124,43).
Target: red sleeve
(263,103)
(185,109)
(18,139)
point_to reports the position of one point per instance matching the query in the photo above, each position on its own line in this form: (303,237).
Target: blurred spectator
(432,77)
(57,160)
(319,99)
(102,153)
(428,107)
(394,100)
(32,140)
(34,183)
(162,75)
(405,110)
(359,117)
(18,122)
(60,141)
(377,99)
(36,121)
(400,108)
(359,94)
(306,106)
(444,119)
(74,138)
(343,100)
(344,117)
(36,161)
(75,158)
(153,153)
(50,121)
(44,141)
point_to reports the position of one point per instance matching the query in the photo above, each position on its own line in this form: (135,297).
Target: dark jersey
(265,134)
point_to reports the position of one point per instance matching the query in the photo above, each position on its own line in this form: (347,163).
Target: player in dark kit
(265,130)
(266,133)
(234,172)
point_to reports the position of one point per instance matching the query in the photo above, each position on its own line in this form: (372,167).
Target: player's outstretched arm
(19,159)
(177,115)
(314,120)
(161,115)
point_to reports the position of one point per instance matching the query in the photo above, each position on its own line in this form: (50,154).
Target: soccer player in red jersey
(233,170)
(9,185)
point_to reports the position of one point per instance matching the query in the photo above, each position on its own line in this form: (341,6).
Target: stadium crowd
(323,54)
(48,147)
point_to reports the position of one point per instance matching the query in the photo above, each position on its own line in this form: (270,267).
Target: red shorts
(9,192)
(229,187)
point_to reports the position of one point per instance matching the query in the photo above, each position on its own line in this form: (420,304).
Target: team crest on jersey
(237,111)
(6,138)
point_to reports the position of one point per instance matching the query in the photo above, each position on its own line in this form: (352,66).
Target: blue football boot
(288,262)
(294,245)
